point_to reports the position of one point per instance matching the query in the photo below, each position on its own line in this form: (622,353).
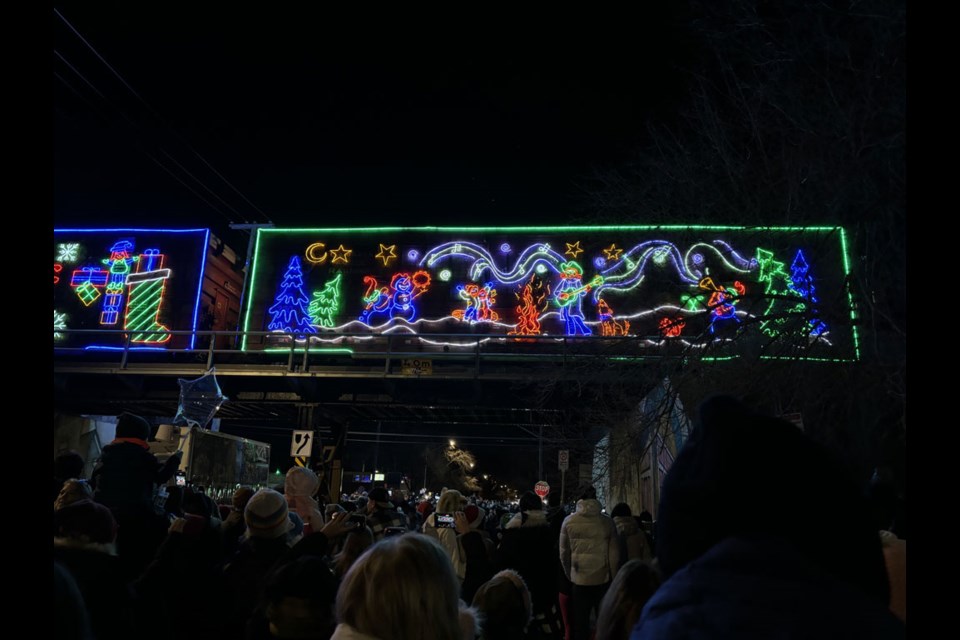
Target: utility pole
(540,465)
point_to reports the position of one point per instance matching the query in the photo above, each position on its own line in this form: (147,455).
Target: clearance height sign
(653,290)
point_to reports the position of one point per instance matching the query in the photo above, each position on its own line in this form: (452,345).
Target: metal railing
(301,352)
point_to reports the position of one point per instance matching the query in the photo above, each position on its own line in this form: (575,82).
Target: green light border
(553,229)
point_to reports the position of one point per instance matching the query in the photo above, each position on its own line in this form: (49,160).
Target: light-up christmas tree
(326,303)
(289,310)
(802,284)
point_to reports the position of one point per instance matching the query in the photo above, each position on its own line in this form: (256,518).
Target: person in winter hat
(267,515)
(504,605)
(127,474)
(735,546)
(381,513)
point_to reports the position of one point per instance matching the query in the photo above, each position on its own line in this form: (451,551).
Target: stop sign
(542,489)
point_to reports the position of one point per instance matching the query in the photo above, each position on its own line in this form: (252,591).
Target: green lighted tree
(325,304)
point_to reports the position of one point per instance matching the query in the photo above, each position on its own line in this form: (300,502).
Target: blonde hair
(620,608)
(451,501)
(403,587)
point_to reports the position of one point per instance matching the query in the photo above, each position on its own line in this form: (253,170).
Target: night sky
(333,120)
(325,120)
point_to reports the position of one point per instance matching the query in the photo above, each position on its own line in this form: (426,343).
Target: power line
(165,122)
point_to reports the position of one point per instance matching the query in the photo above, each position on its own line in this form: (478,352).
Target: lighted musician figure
(569,296)
(119,263)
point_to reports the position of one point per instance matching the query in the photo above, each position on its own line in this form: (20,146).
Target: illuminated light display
(59,324)
(289,309)
(68,252)
(326,304)
(57,268)
(533,299)
(395,300)
(802,282)
(128,282)
(672,327)
(505,248)
(146,296)
(119,267)
(386,254)
(649,273)
(568,296)
(613,253)
(480,301)
(341,255)
(609,326)
(573,250)
(315,253)
(412,255)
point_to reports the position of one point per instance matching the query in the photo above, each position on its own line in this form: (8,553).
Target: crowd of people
(730,554)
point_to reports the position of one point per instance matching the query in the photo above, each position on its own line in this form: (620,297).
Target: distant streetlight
(453,443)
(471,465)
(486,476)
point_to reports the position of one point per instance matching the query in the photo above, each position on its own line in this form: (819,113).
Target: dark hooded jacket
(734,543)
(127,473)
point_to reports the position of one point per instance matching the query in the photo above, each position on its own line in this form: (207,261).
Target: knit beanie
(266,515)
(132,426)
(300,481)
(742,474)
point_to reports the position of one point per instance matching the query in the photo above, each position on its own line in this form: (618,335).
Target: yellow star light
(573,250)
(386,254)
(613,253)
(341,255)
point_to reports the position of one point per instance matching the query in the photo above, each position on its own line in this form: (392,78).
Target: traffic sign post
(301,446)
(542,489)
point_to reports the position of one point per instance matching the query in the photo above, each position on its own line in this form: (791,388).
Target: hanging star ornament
(573,250)
(613,253)
(387,254)
(199,400)
(341,255)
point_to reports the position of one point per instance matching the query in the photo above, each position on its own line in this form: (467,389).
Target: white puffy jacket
(589,546)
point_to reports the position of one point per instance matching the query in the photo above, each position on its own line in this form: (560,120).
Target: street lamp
(453,443)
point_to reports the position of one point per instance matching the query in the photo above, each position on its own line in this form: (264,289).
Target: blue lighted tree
(802,284)
(289,310)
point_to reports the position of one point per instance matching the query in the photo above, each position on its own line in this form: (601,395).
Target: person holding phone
(438,526)
(381,513)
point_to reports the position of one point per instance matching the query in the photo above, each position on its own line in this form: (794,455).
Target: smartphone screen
(444,521)
(181,481)
(359,518)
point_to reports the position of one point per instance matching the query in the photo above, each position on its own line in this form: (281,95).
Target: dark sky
(323,119)
(333,120)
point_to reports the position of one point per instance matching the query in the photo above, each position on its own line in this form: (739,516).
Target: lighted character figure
(480,301)
(609,326)
(119,263)
(569,297)
(721,301)
(533,298)
(395,300)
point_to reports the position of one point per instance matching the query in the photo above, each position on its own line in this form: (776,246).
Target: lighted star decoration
(59,322)
(386,254)
(67,252)
(199,400)
(573,250)
(341,255)
(613,253)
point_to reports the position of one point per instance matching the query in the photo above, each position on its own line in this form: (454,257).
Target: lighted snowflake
(67,252)
(59,322)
